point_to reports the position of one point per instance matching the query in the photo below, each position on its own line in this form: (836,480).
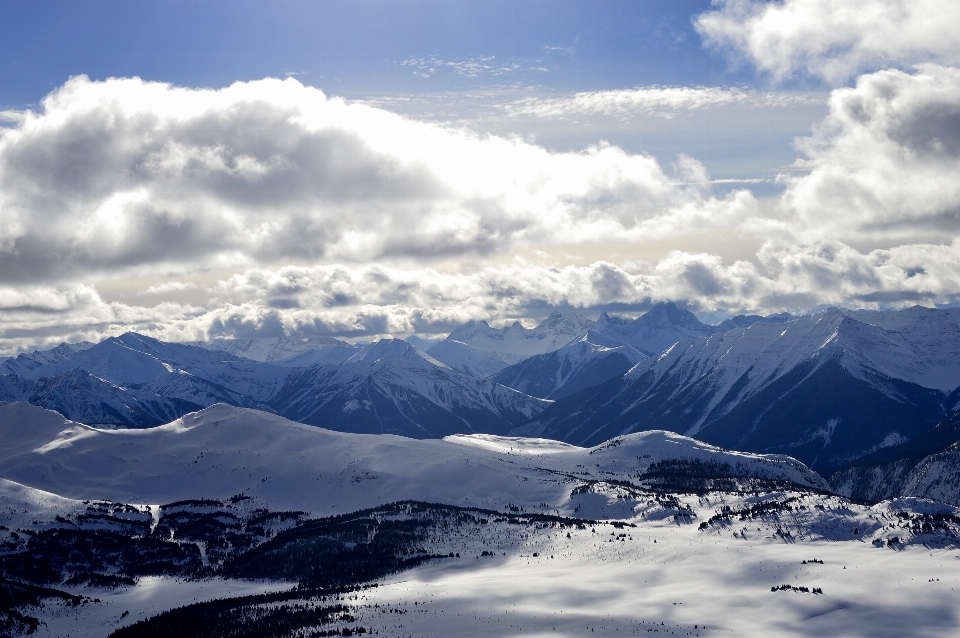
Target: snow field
(151,596)
(695,583)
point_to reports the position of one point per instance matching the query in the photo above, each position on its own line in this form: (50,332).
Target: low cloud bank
(371,300)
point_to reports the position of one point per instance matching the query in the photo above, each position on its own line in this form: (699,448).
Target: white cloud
(385,216)
(377,300)
(167,287)
(126,176)
(834,39)
(371,300)
(884,165)
(665,102)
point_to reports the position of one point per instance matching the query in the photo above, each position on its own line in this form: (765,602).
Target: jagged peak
(384,348)
(563,323)
(469,329)
(667,313)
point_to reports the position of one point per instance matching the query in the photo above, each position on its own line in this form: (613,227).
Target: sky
(362,169)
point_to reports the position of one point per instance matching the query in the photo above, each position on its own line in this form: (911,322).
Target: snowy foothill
(222,451)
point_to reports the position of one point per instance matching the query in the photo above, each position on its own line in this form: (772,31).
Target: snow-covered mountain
(587,361)
(937,477)
(132,359)
(23,363)
(612,347)
(332,355)
(391,387)
(86,398)
(421,343)
(138,381)
(826,388)
(745,321)
(654,331)
(268,349)
(222,451)
(480,351)
(131,380)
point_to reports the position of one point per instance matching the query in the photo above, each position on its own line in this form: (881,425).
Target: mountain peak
(385,349)
(567,323)
(666,313)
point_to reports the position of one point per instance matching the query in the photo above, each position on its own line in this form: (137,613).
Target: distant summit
(480,351)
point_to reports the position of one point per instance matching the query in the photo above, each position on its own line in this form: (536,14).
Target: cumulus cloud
(833,39)
(883,166)
(664,102)
(370,300)
(131,176)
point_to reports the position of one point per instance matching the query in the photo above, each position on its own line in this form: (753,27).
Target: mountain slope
(886,472)
(86,398)
(745,321)
(391,387)
(654,331)
(580,364)
(25,362)
(937,477)
(826,388)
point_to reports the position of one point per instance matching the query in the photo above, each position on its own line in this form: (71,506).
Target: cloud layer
(131,175)
(372,300)
(834,39)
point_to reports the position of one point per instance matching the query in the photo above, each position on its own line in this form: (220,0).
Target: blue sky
(355,48)
(358,169)
(376,49)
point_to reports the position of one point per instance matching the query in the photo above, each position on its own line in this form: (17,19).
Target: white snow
(222,451)
(652,574)
(602,580)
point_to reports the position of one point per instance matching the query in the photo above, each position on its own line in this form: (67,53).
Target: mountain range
(222,451)
(826,388)
(388,386)
(479,350)
(832,389)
